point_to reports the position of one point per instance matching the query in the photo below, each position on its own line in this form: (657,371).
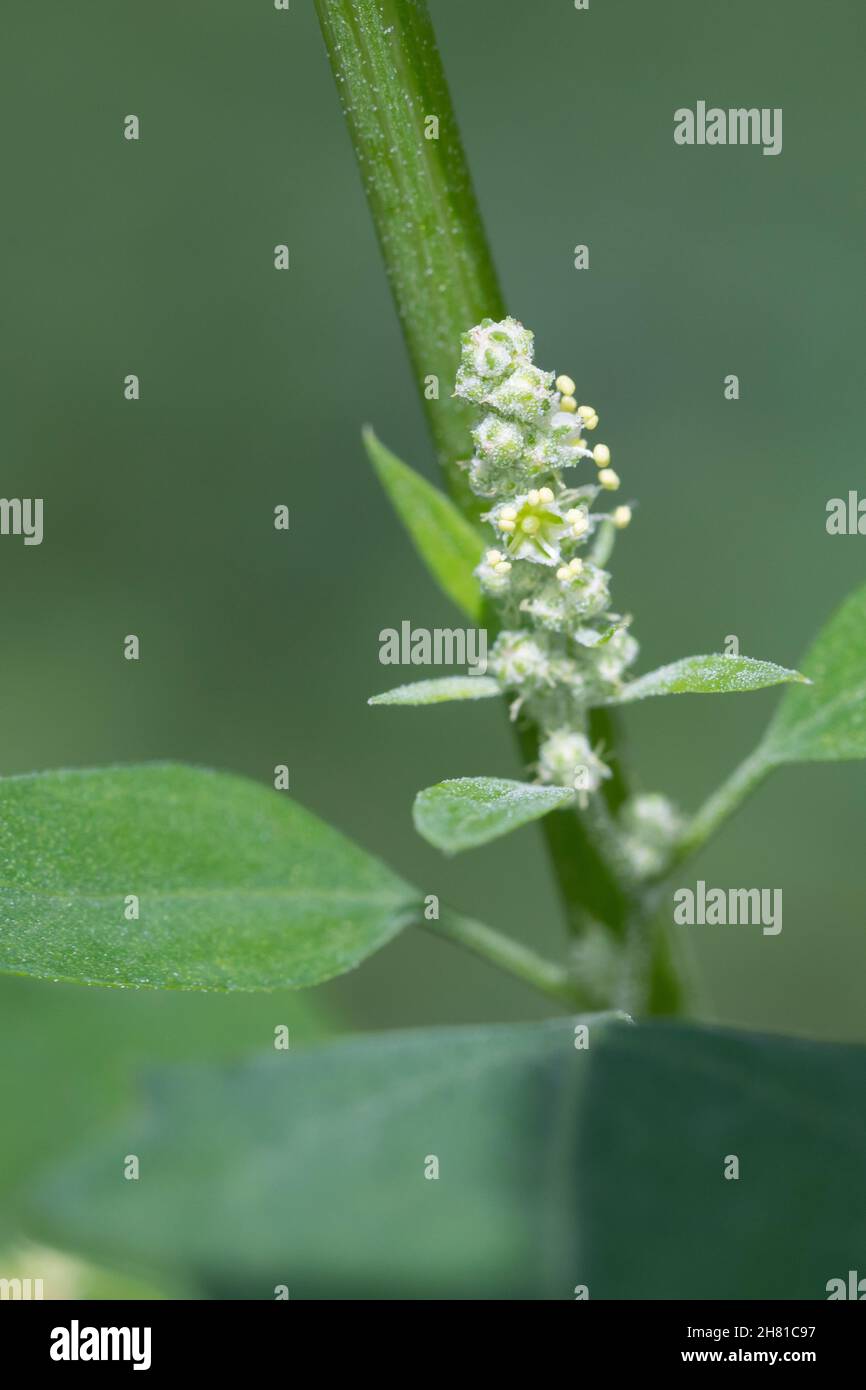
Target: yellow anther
(586,412)
(568,404)
(601,454)
(565,386)
(609,479)
(493,557)
(590,422)
(621,517)
(532,498)
(563,573)
(575,565)
(502,567)
(545,494)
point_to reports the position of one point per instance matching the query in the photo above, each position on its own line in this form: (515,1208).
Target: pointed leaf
(436,692)
(449,545)
(308,1169)
(239,887)
(469,811)
(707,675)
(826,721)
(555,1164)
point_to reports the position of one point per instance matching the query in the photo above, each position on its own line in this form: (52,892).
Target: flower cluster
(560,650)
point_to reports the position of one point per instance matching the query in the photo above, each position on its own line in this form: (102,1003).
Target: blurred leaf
(665,1106)
(827,720)
(707,675)
(557,1167)
(239,888)
(469,811)
(76,1049)
(435,692)
(449,545)
(308,1169)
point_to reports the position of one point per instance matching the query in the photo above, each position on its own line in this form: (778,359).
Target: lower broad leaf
(176,878)
(421,1164)
(527,1161)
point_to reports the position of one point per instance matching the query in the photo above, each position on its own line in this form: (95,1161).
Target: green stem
(510,956)
(391,83)
(587,886)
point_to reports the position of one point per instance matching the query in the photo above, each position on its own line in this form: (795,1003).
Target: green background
(260,647)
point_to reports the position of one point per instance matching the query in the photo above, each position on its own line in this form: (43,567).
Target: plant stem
(391,83)
(511,956)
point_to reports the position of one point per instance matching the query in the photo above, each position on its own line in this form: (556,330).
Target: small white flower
(519,659)
(566,759)
(532,526)
(614,656)
(500,440)
(651,825)
(524,394)
(494,573)
(490,351)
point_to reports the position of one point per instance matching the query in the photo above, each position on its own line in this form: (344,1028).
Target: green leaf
(308,1168)
(449,545)
(827,720)
(76,1051)
(469,811)
(436,692)
(707,675)
(558,1166)
(239,887)
(665,1105)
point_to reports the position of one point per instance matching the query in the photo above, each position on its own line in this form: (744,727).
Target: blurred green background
(260,647)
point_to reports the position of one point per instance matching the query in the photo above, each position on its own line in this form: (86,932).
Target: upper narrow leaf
(436,692)
(707,675)
(469,811)
(827,720)
(449,545)
(238,887)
